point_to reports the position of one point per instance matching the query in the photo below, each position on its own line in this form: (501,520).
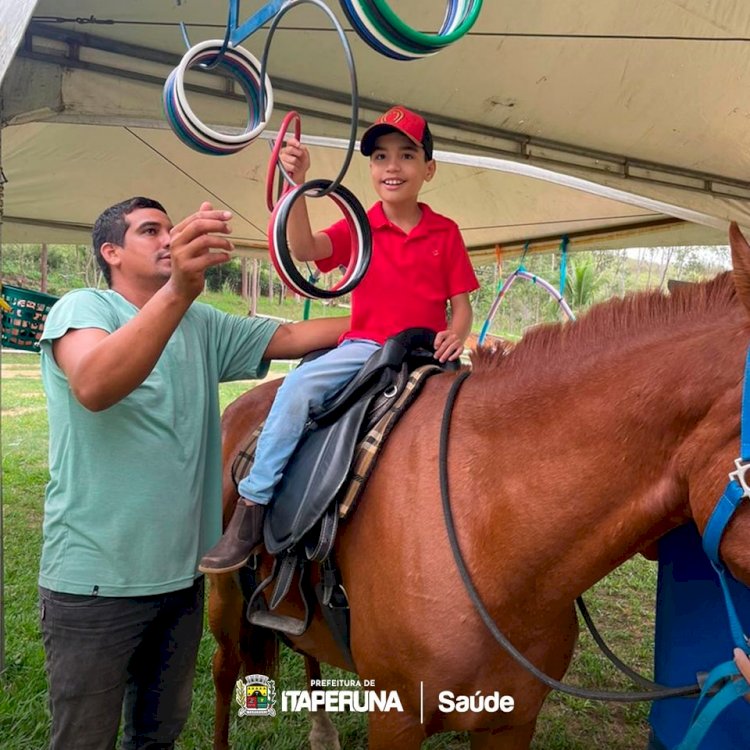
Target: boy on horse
(419,265)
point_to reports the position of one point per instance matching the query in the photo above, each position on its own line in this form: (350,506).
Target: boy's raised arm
(305,245)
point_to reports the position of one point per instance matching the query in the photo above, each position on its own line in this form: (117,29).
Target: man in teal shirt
(134,499)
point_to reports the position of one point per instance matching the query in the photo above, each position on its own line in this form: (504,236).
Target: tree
(581,284)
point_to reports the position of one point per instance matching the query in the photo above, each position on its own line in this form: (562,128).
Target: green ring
(431,41)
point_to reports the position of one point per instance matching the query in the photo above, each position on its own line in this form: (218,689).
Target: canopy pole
(2,571)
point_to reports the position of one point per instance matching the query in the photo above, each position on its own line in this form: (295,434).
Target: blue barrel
(692,635)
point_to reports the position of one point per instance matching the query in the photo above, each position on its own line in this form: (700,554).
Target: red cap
(403,120)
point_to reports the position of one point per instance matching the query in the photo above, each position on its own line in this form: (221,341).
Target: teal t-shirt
(134,497)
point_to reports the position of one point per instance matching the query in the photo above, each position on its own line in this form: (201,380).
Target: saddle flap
(313,477)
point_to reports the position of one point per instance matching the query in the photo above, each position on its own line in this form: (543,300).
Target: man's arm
(103,368)
(449,344)
(293,340)
(305,245)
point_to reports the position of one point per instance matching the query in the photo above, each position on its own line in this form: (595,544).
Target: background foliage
(591,277)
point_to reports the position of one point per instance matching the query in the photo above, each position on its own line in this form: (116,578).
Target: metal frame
(505,143)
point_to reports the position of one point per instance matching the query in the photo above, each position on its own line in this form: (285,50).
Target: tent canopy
(615,122)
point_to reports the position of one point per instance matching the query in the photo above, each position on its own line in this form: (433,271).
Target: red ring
(273,161)
(350,206)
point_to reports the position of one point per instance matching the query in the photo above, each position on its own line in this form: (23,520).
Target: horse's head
(715,443)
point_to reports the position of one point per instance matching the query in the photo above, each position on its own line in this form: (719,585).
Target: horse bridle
(652,691)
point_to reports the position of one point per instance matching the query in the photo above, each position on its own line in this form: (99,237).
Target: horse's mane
(612,324)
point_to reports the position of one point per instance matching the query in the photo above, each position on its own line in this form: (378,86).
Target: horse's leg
(386,731)
(508,738)
(225,606)
(323,734)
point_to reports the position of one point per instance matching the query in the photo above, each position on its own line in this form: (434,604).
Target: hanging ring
(245,69)
(386,33)
(359,228)
(274,163)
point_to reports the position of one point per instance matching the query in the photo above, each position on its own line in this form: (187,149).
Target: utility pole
(43,268)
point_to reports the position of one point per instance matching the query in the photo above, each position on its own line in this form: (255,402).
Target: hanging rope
(563,263)
(526,246)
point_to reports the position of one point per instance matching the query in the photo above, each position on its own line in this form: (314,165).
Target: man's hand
(196,245)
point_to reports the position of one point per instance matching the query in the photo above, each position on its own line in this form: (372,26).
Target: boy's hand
(295,158)
(448,346)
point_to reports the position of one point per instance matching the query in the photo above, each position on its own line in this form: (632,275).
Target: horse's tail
(260,650)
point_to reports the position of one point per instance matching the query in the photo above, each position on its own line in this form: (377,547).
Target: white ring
(249,64)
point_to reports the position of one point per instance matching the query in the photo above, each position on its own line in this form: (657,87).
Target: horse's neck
(594,466)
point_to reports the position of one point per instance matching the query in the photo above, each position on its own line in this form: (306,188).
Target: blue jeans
(309,386)
(112,656)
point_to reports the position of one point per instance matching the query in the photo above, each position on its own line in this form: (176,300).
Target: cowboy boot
(243,533)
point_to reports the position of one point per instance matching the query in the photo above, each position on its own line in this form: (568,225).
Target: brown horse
(568,455)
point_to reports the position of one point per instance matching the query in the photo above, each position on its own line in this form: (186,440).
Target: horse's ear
(740,264)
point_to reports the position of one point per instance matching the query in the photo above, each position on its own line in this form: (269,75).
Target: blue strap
(723,672)
(709,707)
(734,621)
(234,8)
(706,714)
(723,512)
(719,519)
(745,414)
(712,534)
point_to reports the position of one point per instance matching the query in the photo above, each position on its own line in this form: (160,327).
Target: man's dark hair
(112,225)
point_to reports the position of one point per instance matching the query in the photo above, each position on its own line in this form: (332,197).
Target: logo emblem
(393,116)
(255,695)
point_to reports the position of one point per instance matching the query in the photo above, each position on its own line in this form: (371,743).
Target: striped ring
(359,229)
(244,68)
(386,33)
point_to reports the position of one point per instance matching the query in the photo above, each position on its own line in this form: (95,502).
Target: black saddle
(319,466)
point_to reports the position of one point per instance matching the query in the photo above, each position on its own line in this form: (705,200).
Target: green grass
(622,605)
(290,309)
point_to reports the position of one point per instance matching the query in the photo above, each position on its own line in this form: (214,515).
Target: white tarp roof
(647,97)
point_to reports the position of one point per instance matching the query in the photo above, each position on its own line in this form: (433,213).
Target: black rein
(654,690)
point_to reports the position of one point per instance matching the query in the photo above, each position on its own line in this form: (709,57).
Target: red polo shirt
(411,276)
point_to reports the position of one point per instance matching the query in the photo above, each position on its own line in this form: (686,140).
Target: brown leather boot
(243,533)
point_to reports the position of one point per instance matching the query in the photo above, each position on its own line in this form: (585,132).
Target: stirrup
(293,626)
(264,618)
